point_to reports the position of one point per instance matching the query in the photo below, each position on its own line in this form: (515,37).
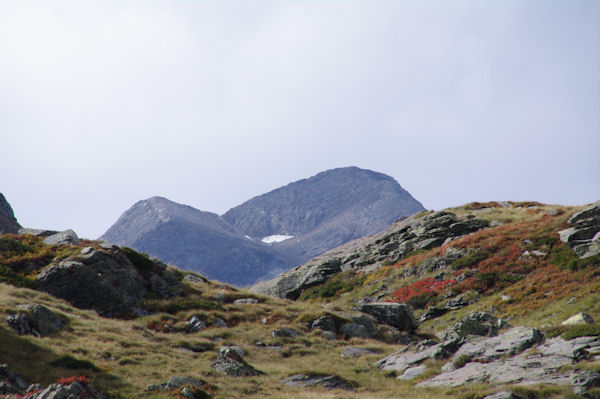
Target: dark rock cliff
(8,222)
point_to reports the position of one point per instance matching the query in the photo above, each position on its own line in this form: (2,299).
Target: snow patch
(248,237)
(275,238)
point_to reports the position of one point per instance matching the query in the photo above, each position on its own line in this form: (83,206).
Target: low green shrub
(564,256)
(575,331)
(470,260)
(140,261)
(334,286)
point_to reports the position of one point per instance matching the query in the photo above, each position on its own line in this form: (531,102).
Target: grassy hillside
(123,356)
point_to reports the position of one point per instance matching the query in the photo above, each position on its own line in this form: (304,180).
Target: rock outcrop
(510,343)
(369,253)
(579,318)
(188,387)
(108,281)
(406,358)
(230,362)
(397,315)
(8,222)
(318,380)
(63,238)
(35,320)
(12,385)
(549,364)
(477,323)
(584,235)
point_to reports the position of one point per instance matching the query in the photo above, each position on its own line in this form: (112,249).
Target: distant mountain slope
(325,210)
(8,222)
(186,237)
(270,233)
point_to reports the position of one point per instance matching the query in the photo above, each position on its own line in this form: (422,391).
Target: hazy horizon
(210,104)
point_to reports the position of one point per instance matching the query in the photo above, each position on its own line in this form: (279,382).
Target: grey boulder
(318,380)
(36,320)
(393,314)
(229,362)
(63,238)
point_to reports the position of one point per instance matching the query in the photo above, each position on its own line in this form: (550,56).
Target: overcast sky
(209,103)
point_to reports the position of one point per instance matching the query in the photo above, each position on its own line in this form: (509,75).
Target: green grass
(69,362)
(175,305)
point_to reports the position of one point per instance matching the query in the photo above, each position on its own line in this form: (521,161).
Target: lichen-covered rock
(359,327)
(481,349)
(35,320)
(325,323)
(357,352)
(477,323)
(584,235)
(402,360)
(62,238)
(318,380)
(397,315)
(579,318)
(229,362)
(176,381)
(107,281)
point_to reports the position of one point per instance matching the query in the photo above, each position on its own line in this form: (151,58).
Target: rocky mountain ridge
(270,233)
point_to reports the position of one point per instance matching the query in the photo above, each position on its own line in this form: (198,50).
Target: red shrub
(82,379)
(425,286)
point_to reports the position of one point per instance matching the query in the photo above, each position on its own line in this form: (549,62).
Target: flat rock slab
(357,352)
(545,366)
(176,381)
(485,350)
(402,360)
(412,373)
(323,381)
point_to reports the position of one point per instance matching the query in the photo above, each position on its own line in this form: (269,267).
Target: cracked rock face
(503,360)
(584,235)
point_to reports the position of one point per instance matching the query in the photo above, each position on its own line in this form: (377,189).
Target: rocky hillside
(196,240)
(8,222)
(270,233)
(493,300)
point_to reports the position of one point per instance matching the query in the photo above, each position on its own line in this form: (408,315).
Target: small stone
(284,333)
(220,323)
(328,335)
(357,352)
(245,301)
(194,325)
